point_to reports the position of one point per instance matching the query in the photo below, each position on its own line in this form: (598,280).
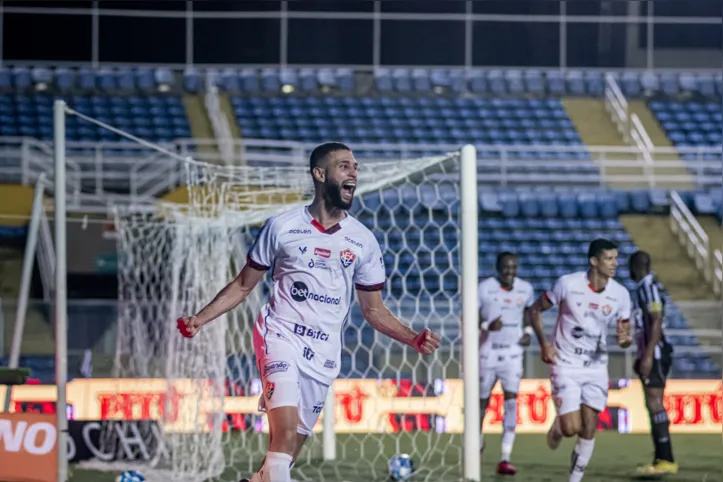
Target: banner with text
(28,447)
(366,406)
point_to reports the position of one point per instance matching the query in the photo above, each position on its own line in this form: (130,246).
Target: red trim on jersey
(255,265)
(547,298)
(375,287)
(592,288)
(320,227)
(505,289)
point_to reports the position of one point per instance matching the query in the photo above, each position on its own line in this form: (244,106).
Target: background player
(588,302)
(318,253)
(503,304)
(653,360)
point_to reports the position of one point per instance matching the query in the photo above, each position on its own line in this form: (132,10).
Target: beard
(332,192)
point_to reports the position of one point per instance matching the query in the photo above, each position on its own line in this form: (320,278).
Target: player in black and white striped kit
(653,360)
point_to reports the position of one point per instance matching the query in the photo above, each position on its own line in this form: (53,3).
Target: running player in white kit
(577,354)
(318,253)
(503,304)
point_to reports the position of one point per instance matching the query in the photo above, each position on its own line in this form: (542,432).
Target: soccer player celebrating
(588,302)
(653,360)
(318,254)
(503,304)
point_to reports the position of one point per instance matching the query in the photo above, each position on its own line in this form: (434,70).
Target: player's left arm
(624,330)
(384,321)
(369,277)
(654,312)
(527,330)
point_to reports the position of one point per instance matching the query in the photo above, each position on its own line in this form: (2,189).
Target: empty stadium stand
(446,107)
(159,118)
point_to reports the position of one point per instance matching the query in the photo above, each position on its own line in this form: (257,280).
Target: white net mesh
(389,400)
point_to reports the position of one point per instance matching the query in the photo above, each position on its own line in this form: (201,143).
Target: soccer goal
(388,400)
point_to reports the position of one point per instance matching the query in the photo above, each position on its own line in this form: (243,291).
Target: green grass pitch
(363,458)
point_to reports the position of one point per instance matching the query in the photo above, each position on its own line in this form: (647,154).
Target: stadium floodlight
(174,259)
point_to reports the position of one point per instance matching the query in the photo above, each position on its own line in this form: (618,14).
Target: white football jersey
(493,301)
(314,271)
(581,331)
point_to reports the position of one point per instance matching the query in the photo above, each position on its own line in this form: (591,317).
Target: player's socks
(277,467)
(661,436)
(580,457)
(509,423)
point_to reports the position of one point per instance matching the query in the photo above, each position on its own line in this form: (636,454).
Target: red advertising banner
(368,406)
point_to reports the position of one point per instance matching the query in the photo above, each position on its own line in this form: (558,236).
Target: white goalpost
(388,400)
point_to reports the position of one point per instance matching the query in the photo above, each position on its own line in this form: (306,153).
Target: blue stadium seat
(5,78)
(587,205)
(21,78)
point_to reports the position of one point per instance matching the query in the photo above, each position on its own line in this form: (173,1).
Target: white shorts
(284,385)
(505,368)
(575,386)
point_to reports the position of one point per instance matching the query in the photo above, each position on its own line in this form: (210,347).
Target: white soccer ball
(401,467)
(130,476)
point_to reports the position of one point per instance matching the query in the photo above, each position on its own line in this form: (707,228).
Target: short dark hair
(640,259)
(321,151)
(503,255)
(598,246)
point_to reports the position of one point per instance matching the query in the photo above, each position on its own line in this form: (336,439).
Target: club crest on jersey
(607,309)
(347,257)
(269,390)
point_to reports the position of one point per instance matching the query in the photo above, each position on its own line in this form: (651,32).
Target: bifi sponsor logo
(306,332)
(300,292)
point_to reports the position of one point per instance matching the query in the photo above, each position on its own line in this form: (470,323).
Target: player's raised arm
(369,280)
(527,329)
(384,321)
(259,260)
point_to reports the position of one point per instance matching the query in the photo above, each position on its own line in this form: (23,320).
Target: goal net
(388,399)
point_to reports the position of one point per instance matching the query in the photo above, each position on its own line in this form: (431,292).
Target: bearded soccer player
(588,301)
(318,254)
(653,360)
(503,304)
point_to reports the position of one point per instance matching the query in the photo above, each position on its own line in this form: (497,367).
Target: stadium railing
(692,236)
(128,173)
(628,124)
(616,105)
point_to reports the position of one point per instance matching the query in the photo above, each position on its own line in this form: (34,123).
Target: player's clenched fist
(188,326)
(426,342)
(548,353)
(624,333)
